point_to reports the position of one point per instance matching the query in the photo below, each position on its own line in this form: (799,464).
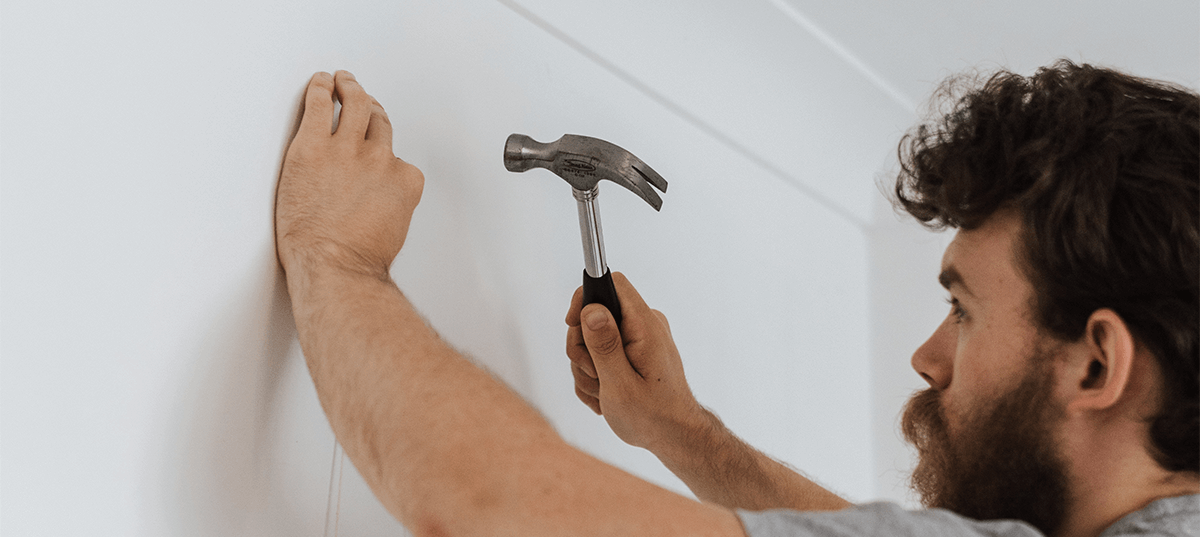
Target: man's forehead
(983,257)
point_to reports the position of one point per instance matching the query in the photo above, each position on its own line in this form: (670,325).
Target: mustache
(924,426)
(923,422)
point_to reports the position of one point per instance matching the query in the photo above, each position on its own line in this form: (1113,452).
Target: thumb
(603,341)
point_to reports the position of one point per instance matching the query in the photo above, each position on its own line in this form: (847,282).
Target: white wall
(150,381)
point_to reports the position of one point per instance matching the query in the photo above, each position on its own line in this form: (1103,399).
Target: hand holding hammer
(583,161)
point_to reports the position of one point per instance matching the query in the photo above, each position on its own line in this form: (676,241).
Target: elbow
(429,527)
(473,496)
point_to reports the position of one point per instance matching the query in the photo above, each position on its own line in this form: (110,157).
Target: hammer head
(583,161)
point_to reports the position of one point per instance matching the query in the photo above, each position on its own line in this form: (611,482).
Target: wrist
(686,441)
(330,260)
(314,279)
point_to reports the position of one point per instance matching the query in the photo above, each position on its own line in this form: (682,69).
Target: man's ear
(1100,373)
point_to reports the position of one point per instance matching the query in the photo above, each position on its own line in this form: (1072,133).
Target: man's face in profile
(985,429)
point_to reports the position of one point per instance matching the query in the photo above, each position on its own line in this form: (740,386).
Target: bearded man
(1063,394)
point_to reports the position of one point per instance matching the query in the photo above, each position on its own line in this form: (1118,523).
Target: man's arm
(634,378)
(444,446)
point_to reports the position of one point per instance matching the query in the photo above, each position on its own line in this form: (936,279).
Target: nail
(596,319)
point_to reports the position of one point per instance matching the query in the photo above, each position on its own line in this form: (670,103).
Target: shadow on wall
(249,448)
(229,472)
(230,469)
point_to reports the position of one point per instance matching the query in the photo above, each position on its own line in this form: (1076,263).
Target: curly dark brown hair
(1103,168)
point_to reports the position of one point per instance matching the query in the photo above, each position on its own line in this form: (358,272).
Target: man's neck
(1111,480)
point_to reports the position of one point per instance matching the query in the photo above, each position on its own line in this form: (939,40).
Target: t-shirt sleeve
(880,518)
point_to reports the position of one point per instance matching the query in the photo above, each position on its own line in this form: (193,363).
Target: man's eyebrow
(951,276)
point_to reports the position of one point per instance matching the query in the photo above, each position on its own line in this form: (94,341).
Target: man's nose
(934,360)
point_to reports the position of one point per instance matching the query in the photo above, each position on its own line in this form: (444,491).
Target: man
(1063,384)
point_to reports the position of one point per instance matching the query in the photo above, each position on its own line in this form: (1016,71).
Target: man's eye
(956,310)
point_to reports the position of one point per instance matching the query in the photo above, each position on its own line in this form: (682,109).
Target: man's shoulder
(879,518)
(1175,517)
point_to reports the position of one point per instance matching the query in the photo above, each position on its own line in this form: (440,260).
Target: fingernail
(596,319)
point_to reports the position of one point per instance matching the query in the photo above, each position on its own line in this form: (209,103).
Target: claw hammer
(583,161)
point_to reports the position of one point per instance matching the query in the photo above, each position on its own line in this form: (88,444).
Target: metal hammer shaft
(598,285)
(589,228)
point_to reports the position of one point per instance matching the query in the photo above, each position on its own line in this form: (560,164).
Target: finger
(576,305)
(356,106)
(577,351)
(626,293)
(584,383)
(662,318)
(641,329)
(318,106)
(379,129)
(588,400)
(604,343)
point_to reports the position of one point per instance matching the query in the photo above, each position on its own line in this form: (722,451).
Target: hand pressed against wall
(344,198)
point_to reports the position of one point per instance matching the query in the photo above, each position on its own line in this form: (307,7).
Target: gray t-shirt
(1178,516)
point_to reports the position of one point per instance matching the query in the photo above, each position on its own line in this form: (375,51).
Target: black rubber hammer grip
(602,291)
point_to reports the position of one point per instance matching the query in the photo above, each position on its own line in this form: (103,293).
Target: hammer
(583,161)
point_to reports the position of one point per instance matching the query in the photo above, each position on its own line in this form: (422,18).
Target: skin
(449,450)
(634,378)
(1106,383)
(446,448)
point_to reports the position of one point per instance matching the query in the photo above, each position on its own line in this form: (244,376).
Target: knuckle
(381,153)
(605,344)
(377,112)
(414,178)
(417,175)
(581,361)
(578,356)
(576,347)
(618,398)
(590,391)
(591,401)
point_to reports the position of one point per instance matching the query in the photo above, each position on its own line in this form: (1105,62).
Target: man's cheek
(954,416)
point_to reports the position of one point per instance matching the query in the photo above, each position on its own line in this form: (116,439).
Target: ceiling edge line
(844,53)
(677,109)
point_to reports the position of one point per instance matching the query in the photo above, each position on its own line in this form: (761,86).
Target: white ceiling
(911,45)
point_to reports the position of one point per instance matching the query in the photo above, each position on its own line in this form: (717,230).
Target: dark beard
(1003,464)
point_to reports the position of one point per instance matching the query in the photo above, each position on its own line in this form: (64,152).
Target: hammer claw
(649,174)
(639,182)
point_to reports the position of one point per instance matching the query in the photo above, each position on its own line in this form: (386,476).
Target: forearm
(427,429)
(721,468)
(634,377)
(448,449)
